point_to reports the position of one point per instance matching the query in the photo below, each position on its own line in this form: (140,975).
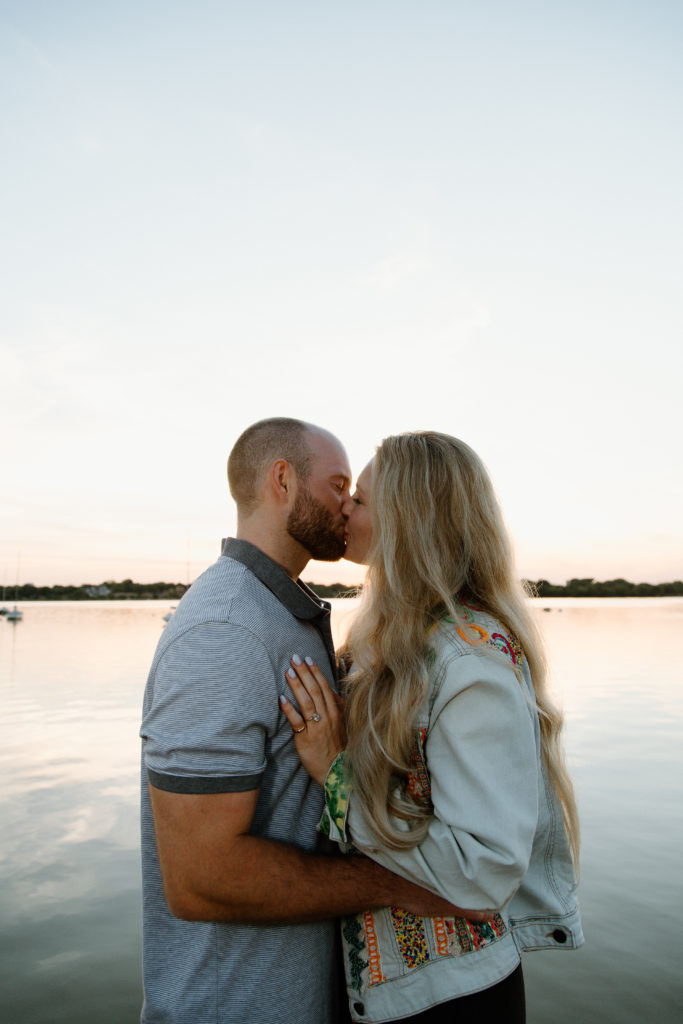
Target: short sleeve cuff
(338,786)
(200,784)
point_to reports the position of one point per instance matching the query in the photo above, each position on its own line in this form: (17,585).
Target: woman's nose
(347,506)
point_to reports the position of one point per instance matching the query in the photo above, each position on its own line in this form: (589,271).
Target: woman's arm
(482,759)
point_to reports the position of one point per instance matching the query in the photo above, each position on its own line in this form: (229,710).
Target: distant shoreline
(127,590)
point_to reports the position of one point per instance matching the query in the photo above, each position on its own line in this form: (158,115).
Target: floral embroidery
(474,634)
(411,938)
(352,930)
(480,634)
(465,936)
(419,784)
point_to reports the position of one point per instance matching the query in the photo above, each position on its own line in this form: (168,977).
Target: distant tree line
(108,591)
(609,588)
(127,589)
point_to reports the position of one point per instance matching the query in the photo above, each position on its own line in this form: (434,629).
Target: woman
(452,774)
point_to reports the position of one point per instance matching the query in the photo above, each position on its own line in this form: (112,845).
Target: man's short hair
(257,448)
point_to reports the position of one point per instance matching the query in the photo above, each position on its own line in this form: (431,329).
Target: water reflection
(71,683)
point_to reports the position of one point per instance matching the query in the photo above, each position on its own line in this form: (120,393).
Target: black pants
(505,1000)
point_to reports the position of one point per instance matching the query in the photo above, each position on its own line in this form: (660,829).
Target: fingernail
(296,659)
(309,661)
(291,673)
(283,699)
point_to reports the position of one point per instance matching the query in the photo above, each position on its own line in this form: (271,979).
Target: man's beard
(313,526)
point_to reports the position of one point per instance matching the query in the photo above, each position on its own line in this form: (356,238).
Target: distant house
(102,591)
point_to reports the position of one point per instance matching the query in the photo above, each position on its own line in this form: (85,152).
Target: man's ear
(281,480)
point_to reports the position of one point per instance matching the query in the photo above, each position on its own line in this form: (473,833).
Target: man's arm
(214,870)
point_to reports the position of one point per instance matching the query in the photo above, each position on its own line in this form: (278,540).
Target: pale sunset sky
(377,216)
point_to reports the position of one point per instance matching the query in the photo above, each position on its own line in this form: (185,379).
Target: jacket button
(359,1007)
(560,936)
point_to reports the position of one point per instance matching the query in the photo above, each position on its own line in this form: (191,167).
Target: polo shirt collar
(296,597)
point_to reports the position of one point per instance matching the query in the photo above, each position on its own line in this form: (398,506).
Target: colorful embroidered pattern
(508,644)
(419,785)
(352,930)
(441,936)
(417,940)
(376,973)
(410,936)
(465,936)
(474,634)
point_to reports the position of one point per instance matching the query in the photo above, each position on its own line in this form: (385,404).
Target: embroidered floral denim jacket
(496,838)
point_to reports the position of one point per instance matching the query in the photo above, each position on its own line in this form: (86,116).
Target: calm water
(71,682)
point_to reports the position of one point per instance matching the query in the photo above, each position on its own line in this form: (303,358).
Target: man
(239,893)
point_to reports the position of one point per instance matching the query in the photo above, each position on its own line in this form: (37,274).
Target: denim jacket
(496,839)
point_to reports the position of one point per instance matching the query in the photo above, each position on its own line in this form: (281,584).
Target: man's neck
(283,549)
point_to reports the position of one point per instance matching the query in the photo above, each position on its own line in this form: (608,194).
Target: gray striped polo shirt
(212,723)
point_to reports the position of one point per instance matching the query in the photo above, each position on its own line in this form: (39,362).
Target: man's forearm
(262,881)
(265,882)
(214,869)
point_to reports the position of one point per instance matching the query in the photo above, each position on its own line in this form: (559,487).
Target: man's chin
(328,556)
(318,536)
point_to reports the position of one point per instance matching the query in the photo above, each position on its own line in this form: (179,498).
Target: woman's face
(359,521)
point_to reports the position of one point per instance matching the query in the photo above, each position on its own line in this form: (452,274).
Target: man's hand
(427,904)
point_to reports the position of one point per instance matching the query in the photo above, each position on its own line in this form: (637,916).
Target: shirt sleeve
(482,757)
(213,704)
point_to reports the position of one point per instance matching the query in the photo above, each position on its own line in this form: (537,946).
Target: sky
(379,216)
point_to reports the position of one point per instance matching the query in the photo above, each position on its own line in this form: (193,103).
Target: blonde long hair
(438,538)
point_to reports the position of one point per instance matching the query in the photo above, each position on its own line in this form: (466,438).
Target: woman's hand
(319,730)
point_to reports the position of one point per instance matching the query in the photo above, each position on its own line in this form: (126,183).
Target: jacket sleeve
(482,756)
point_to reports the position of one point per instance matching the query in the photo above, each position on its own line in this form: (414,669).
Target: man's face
(317,521)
